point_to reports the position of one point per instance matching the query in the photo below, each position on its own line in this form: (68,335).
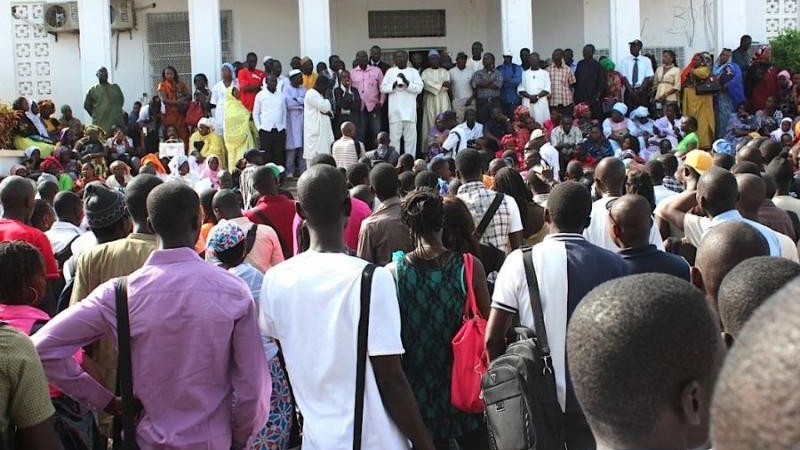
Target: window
(168,43)
(407,23)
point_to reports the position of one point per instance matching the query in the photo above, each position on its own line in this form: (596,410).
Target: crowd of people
(656,209)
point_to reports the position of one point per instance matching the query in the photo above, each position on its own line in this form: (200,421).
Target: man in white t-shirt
(311,305)
(463,134)
(609,180)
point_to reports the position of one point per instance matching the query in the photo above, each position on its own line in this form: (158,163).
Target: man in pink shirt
(250,81)
(194,340)
(367,79)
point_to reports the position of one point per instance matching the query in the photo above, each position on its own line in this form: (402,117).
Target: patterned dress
(431,307)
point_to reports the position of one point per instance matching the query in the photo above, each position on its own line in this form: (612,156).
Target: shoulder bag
(362,355)
(125,426)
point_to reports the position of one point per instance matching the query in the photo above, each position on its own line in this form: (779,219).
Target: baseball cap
(635,42)
(536,134)
(699,160)
(253,152)
(276,169)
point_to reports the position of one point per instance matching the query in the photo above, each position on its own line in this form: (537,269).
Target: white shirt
(645,68)
(61,234)
(460,135)
(311,304)
(254,279)
(84,243)
(282,80)
(551,155)
(269,110)
(474,64)
(662,194)
(599,232)
(144,113)
(460,84)
(402,99)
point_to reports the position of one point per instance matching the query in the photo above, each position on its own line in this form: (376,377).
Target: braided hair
(20,264)
(422,212)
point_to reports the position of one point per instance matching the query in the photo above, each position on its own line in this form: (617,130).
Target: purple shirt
(194,341)
(294,97)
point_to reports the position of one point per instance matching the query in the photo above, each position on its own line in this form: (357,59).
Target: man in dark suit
(346,104)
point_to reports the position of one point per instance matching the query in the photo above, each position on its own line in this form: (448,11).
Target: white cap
(294,72)
(267,58)
(507,52)
(536,134)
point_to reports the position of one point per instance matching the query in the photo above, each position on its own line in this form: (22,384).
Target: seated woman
(769,118)
(120,176)
(616,127)
(88,174)
(597,146)
(30,131)
(67,158)
(184,169)
(740,125)
(583,119)
(645,129)
(46,110)
(439,131)
(91,149)
(52,166)
(33,160)
(668,126)
(784,128)
(207,141)
(629,150)
(209,174)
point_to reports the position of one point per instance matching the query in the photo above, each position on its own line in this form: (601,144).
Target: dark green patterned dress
(431,307)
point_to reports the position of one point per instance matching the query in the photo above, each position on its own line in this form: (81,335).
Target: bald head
(722,248)
(750,153)
(348,129)
(752,192)
(631,221)
(717,191)
(610,176)
(324,202)
(16,196)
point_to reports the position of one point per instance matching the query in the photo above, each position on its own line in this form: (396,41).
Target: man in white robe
(534,90)
(402,84)
(436,82)
(317,113)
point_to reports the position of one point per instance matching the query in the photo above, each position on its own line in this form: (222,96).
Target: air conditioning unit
(122,15)
(61,17)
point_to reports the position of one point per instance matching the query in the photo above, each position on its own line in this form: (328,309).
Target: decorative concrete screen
(407,23)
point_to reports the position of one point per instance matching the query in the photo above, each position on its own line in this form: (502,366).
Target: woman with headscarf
(209,174)
(46,109)
(207,142)
(174,95)
(522,126)
(239,131)
(699,106)
(67,157)
(184,169)
(53,166)
(728,99)
(645,130)
(151,159)
(583,118)
(617,126)
(30,131)
(761,80)
(740,125)
(317,128)
(614,85)
(218,95)
(120,176)
(33,158)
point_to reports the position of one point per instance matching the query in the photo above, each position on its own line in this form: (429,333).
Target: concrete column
(315,29)
(8,77)
(731,23)
(205,39)
(624,25)
(516,22)
(95,44)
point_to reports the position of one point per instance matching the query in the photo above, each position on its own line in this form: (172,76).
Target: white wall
(558,24)
(467,21)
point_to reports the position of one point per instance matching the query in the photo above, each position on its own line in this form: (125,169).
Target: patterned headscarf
(51,161)
(580,109)
(521,111)
(224,236)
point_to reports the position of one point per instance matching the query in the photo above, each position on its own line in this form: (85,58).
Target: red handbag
(469,361)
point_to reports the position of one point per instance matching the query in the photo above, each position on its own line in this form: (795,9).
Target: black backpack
(519,389)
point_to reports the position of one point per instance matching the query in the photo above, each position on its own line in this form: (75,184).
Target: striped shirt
(345,153)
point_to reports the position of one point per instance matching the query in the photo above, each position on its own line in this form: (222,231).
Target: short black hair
(469,163)
(656,170)
(357,173)
(41,208)
(136,195)
(20,262)
(322,192)
(569,205)
(406,180)
(47,190)
(323,158)
(264,180)
(173,208)
(718,187)
(781,171)
(66,204)
(758,390)
(770,150)
(724,160)
(632,344)
(427,179)
(384,180)
(748,285)
(207,203)
(746,167)
(670,162)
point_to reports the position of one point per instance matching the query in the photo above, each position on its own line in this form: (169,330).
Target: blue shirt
(598,152)
(512,77)
(649,259)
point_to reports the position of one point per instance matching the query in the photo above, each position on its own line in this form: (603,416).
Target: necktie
(635,71)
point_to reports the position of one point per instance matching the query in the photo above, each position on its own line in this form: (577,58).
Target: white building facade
(138,39)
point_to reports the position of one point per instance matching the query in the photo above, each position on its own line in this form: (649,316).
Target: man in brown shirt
(382,233)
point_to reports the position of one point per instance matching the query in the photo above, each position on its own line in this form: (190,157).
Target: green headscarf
(607,64)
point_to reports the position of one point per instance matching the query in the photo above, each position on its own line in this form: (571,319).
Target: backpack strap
(125,365)
(361,362)
(250,239)
(262,216)
(536,307)
(489,215)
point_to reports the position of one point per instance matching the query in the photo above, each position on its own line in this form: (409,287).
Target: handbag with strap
(710,85)
(469,361)
(124,426)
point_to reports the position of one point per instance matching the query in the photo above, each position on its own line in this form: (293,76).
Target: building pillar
(8,79)
(205,39)
(95,43)
(315,29)
(516,22)
(731,23)
(624,26)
